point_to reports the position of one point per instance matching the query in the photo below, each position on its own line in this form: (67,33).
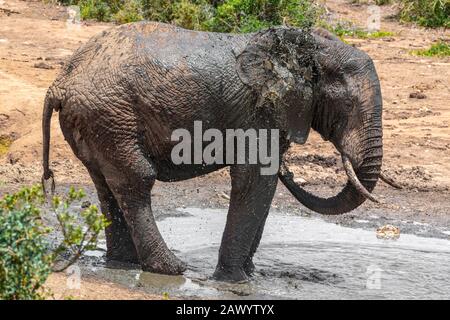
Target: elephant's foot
(230,275)
(167,263)
(249,268)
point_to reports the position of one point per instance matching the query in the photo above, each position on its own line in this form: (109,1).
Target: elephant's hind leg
(251,196)
(119,244)
(131,183)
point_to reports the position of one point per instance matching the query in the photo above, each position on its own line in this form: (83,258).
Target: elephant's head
(321,83)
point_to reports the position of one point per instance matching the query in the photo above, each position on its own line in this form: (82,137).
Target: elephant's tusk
(390,181)
(355,181)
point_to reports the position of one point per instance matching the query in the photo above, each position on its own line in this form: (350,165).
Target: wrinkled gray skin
(123,93)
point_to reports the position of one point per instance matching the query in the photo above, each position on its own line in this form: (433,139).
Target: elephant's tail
(52,102)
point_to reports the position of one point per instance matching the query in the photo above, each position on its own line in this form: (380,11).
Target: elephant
(122,94)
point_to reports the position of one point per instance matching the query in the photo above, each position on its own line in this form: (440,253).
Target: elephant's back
(170,44)
(123,49)
(161,69)
(160,42)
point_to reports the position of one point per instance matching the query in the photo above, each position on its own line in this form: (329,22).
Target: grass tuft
(5,143)
(440,49)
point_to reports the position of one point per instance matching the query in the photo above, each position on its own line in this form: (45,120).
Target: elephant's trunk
(361,179)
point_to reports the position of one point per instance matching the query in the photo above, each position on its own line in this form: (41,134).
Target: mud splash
(299,258)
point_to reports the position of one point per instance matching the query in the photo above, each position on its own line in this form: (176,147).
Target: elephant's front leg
(251,196)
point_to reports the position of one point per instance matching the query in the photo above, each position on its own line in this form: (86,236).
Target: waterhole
(299,258)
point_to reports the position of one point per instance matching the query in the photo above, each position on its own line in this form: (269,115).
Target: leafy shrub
(190,15)
(249,15)
(382,2)
(26,255)
(377,2)
(24,259)
(158,10)
(209,15)
(92,9)
(427,13)
(130,12)
(101,10)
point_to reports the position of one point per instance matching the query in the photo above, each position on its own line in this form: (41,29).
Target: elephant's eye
(349,104)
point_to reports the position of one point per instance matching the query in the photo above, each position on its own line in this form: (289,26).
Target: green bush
(190,15)
(382,2)
(253,15)
(208,15)
(130,12)
(26,255)
(377,2)
(24,259)
(427,13)
(101,10)
(157,10)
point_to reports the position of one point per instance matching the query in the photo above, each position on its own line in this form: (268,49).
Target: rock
(300,181)
(43,65)
(389,232)
(417,95)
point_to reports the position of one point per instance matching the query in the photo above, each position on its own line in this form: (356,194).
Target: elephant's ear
(278,65)
(260,65)
(254,66)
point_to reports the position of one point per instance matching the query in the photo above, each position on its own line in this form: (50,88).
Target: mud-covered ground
(35,41)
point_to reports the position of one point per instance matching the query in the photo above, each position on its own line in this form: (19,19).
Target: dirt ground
(35,40)
(63,287)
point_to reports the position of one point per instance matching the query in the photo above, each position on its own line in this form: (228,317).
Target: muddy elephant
(123,93)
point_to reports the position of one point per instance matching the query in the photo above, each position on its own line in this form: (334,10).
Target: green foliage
(101,10)
(130,12)
(208,15)
(26,256)
(382,2)
(440,49)
(190,15)
(24,259)
(92,9)
(249,15)
(158,10)
(427,13)
(79,236)
(377,2)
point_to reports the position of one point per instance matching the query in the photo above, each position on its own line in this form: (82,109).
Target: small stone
(417,95)
(43,65)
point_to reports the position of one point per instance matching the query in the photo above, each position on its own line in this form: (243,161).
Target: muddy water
(299,258)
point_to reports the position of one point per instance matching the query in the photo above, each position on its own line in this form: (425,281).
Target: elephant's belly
(168,172)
